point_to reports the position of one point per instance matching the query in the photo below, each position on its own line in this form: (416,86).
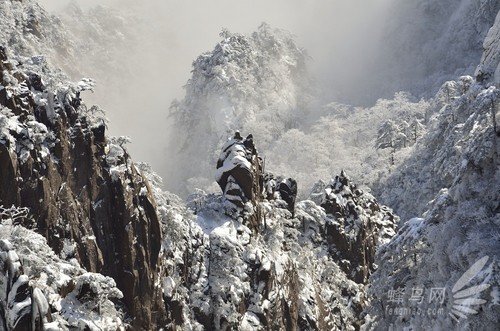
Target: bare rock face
(357,225)
(56,160)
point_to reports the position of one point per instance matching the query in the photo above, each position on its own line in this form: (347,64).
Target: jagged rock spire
(359,224)
(242,180)
(239,175)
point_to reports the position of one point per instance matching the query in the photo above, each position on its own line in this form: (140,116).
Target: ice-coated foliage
(461,134)
(455,167)
(345,137)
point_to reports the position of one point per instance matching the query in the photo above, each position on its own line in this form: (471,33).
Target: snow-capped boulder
(239,170)
(239,174)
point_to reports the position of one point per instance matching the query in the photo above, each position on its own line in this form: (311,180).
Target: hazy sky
(339,35)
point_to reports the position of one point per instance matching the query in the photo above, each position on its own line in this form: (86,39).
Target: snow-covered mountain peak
(252,83)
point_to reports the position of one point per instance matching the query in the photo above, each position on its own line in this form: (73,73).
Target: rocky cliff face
(83,189)
(359,225)
(240,176)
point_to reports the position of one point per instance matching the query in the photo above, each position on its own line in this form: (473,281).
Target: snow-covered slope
(454,247)
(460,135)
(458,166)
